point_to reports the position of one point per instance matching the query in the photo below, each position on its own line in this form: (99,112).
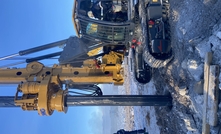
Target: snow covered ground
(195,30)
(130,117)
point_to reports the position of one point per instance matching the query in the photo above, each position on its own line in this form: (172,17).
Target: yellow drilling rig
(106,30)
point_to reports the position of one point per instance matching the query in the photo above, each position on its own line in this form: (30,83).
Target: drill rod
(7,101)
(120,100)
(106,100)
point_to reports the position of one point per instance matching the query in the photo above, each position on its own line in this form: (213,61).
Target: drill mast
(45,89)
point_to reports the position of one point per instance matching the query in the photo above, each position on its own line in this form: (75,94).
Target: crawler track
(149,59)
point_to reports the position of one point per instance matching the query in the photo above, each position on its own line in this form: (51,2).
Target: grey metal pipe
(43,47)
(106,100)
(119,100)
(7,101)
(35,49)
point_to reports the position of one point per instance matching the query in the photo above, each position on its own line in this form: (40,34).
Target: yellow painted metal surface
(41,87)
(95,51)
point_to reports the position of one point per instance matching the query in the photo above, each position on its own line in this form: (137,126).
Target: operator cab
(103,21)
(112,11)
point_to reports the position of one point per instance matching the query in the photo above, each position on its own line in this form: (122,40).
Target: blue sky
(25,24)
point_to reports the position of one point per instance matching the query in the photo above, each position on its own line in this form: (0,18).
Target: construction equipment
(116,26)
(121,24)
(46,89)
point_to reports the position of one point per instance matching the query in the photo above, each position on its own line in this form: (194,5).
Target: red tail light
(151,22)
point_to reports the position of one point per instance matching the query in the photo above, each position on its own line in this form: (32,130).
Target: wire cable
(13,64)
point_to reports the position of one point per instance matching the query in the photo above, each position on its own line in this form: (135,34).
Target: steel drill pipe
(119,100)
(7,101)
(106,100)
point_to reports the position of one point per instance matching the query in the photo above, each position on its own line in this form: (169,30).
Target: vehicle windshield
(107,11)
(112,11)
